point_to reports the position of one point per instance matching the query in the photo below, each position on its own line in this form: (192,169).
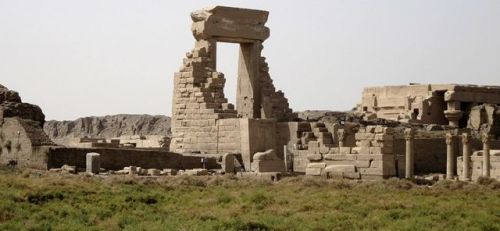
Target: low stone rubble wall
(117,159)
(371,158)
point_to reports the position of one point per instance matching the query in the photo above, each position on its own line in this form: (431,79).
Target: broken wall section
(198,101)
(199,104)
(371,157)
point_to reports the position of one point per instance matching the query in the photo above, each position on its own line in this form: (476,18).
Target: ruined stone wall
(274,103)
(117,159)
(371,158)
(199,105)
(400,102)
(198,101)
(429,104)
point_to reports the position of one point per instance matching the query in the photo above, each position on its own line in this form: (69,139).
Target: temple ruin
(428,103)
(396,131)
(204,122)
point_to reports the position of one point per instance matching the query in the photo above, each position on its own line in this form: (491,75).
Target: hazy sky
(99,57)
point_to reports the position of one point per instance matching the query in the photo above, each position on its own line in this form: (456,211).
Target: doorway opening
(227,63)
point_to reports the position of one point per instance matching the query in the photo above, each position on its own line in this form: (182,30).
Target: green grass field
(32,200)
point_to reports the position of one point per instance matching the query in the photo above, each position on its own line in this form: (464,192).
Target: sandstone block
(361,150)
(324,150)
(347,171)
(268,166)
(345,150)
(93,163)
(384,137)
(154,172)
(228,163)
(314,171)
(69,169)
(379,129)
(363,143)
(314,157)
(316,165)
(380,150)
(196,172)
(370,129)
(363,163)
(334,151)
(169,172)
(364,136)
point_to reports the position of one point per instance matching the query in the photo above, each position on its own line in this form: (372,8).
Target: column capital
(341,134)
(465,138)
(485,138)
(453,114)
(409,133)
(449,138)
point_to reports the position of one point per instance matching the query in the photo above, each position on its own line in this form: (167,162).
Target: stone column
(466,156)
(248,95)
(285,157)
(486,154)
(228,163)
(409,170)
(341,135)
(450,156)
(93,163)
(453,113)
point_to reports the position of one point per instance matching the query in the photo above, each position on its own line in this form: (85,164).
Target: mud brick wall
(116,159)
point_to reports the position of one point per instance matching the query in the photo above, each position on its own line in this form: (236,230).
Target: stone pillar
(341,135)
(409,170)
(466,156)
(228,163)
(248,95)
(486,154)
(453,113)
(450,157)
(93,162)
(285,157)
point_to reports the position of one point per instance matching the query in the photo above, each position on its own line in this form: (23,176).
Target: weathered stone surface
(485,118)
(169,172)
(230,23)
(267,161)
(340,170)
(228,165)
(93,163)
(199,103)
(154,172)
(426,103)
(267,155)
(196,172)
(69,169)
(314,171)
(314,157)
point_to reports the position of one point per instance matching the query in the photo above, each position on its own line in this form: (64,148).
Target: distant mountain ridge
(109,126)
